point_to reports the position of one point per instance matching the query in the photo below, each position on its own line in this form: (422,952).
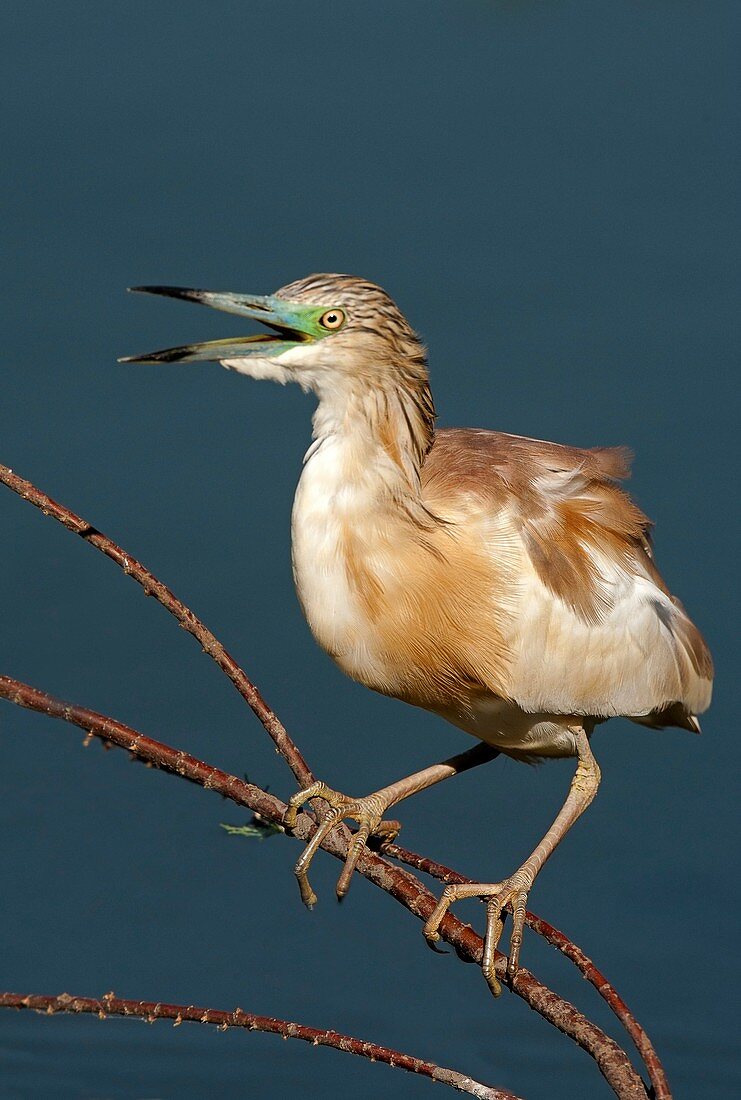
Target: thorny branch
(154,587)
(111,1005)
(611,1060)
(557,939)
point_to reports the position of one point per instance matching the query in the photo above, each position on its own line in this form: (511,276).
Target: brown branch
(190,768)
(110,1005)
(154,587)
(408,890)
(644,1046)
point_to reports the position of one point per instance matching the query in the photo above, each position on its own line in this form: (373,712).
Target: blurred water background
(550,193)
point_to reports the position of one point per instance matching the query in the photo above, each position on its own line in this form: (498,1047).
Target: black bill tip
(167,355)
(185,292)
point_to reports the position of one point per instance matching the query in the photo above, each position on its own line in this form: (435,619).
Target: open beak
(290,322)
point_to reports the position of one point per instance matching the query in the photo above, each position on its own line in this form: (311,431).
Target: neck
(359,496)
(384,433)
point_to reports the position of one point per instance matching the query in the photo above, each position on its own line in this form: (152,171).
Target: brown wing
(597,592)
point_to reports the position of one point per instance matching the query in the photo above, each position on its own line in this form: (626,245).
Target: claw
(358,843)
(366,811)
(308,897)
(497,895)
(495,986)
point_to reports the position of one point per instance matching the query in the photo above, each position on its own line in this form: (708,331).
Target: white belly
(513,731)
(327,505)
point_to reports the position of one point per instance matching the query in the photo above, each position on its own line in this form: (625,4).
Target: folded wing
(593,628)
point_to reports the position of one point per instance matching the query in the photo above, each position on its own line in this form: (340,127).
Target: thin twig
(110,1005)
(610,1058)
(145,748)
(644,1046)
(154,587)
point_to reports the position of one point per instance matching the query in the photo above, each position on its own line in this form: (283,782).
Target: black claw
(433,947)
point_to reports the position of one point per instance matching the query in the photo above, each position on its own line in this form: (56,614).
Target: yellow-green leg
(368,812)
(514,890)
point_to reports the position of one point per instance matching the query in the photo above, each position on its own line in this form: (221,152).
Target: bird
(506,584)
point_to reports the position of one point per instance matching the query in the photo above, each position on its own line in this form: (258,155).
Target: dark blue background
(548,192)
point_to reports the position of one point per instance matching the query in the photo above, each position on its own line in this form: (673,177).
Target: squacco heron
(504,583)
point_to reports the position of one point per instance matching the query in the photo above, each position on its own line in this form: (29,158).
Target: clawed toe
(432,939)
(367,812)
(512,892)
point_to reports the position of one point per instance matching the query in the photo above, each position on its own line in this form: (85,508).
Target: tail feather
(675,715)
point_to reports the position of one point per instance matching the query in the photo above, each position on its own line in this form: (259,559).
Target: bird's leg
(514,890)
(368,812)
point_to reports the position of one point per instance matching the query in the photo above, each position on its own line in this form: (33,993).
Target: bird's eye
(332,319)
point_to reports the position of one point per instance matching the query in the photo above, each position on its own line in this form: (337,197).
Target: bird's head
(326,330)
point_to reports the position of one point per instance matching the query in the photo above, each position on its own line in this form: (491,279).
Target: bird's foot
(513,892)
(368,812)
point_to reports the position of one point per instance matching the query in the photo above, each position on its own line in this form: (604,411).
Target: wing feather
(594,629)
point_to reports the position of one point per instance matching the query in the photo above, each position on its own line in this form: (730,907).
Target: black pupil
(331,318)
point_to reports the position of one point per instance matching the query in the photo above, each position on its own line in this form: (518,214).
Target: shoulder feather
(565,502)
